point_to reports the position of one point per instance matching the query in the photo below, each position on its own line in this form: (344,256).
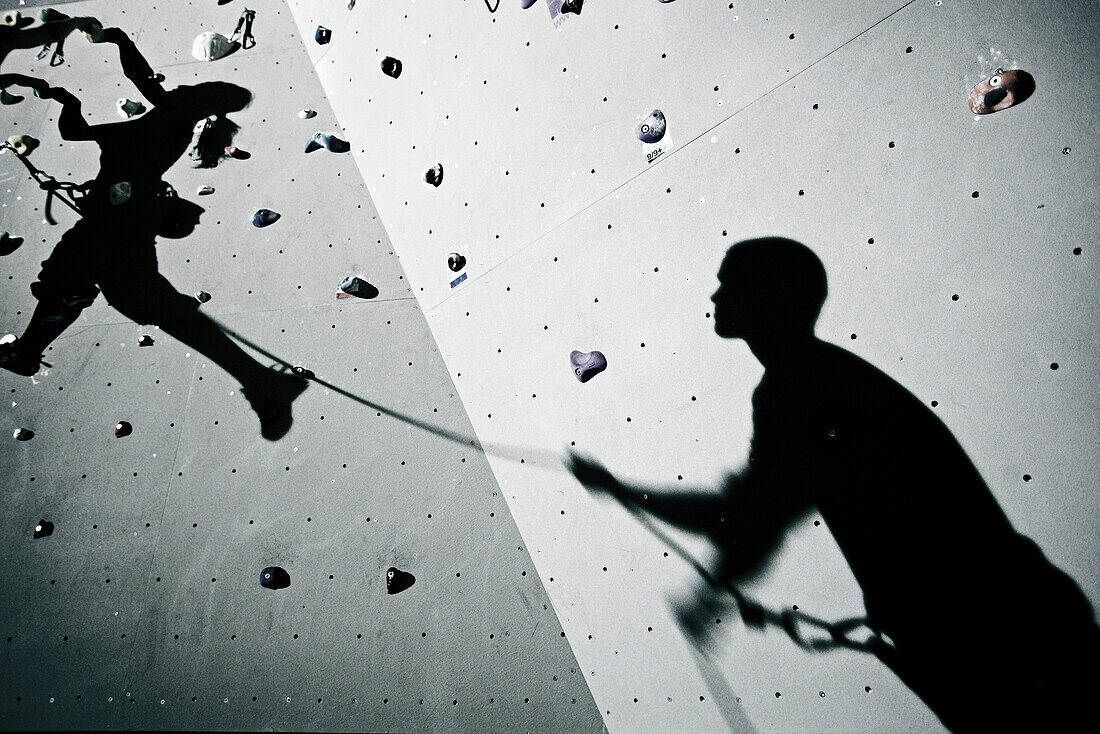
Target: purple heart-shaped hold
(587,365)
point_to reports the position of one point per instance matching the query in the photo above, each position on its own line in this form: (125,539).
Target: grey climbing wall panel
(144,609)
(960,252)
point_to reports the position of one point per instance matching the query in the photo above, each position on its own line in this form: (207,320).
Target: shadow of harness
(178,217)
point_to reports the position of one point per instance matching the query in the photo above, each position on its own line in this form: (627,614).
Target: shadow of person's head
(768,288)
(210,101)
(201,100)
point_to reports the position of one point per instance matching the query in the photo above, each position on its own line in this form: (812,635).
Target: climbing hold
(652,128)
(351,4)
(391,67)
(304,373)
(307,114)
(196,152)
(129,107)
(23,144)
(397,580)
(119,193)
(330,142)
(456,262)
(353,287)
(202,296)
(49,15)
(587,365)
(1000,91)
(145,341)
(264,217)
(274,577)
(323,35)
(571,6)
(211,46)
(93,31)
(7,97)
(234,152)
(204,190)
(527,3)
(9,244)
(434,175)
(23,434)
(43,529)
(14,18)
(123,429)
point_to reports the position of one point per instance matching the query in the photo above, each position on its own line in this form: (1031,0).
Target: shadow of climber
(966,611)
(112,248)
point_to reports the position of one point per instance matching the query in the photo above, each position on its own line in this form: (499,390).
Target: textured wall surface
(841,125)
(961,258)
(143,608)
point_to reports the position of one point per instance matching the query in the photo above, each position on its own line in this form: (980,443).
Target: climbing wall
(143,608)
(960,252)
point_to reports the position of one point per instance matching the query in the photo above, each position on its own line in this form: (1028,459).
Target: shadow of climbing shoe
(15,359)
(271,400)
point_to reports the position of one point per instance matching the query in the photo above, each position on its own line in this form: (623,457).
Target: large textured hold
(587,365)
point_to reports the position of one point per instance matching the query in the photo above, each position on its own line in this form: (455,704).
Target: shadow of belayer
(112,248)
(966,611)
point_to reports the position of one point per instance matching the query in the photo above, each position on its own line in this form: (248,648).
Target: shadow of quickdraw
(68,192)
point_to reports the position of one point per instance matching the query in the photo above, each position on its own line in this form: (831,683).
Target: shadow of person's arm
(39,35)
(698,510)
(70,123)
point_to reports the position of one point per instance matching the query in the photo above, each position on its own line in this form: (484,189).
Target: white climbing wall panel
(143,609)
(961,256)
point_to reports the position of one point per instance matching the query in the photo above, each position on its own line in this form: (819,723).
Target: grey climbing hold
(303,372)
(652,128)
(572,6)
(201,127)
(398,580)
(323,35)
(205,190)
(43,529)
(434,175)
(202,296)
(306,114)
(391,67)
(587,365)
(123,429)
(119,193)
(264,218)
(274,577)
(456,262)
(145,341)
(527,3)
(129,107)
(23,434)
(330,142)
(354,287)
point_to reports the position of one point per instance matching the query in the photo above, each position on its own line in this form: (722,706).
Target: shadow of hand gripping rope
(966,611)
(112,248)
